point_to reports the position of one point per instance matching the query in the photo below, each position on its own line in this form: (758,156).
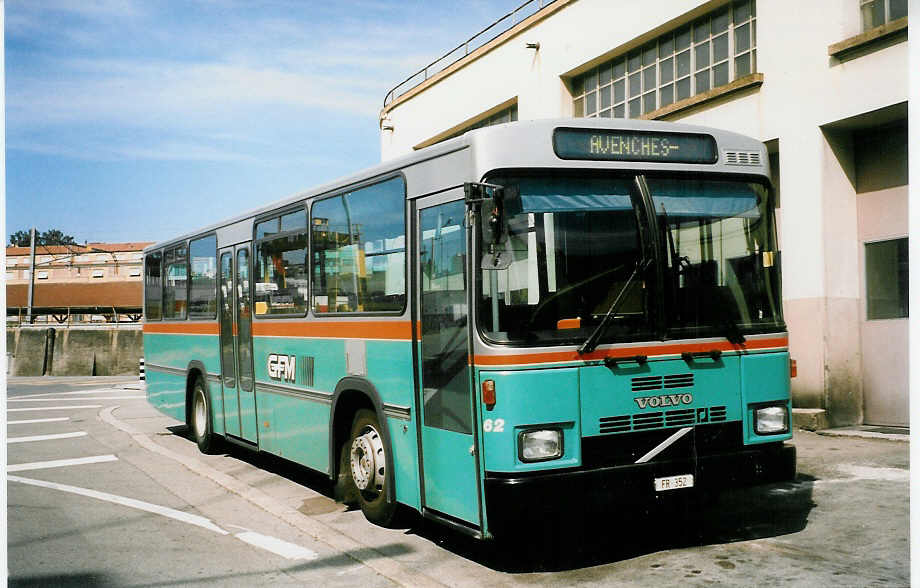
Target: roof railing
(491,32)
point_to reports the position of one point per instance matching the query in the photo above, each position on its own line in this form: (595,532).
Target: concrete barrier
(102,351)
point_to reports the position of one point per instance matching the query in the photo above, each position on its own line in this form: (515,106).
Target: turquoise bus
(536,313)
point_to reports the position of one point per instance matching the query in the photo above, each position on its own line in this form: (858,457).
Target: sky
(139,120)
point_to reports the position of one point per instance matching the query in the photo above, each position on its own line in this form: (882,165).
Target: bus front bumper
(511,499)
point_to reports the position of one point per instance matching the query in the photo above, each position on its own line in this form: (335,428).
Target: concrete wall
(75,352)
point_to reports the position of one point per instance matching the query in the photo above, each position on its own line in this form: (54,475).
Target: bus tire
(367,461)
(345,490)
(201,418)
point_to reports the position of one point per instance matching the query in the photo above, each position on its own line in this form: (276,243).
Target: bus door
(237,380)
(448,457)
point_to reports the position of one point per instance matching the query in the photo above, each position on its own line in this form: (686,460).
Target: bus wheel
(367,458)
(201,418)
(345,490)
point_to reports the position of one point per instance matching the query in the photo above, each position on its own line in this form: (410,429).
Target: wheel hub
(201,422)
(368,461)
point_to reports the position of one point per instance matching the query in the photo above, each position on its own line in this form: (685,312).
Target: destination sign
(609,145)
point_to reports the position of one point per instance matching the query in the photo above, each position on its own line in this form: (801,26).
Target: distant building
(96,282)
(823,84)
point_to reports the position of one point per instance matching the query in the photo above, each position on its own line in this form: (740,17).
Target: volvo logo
(664,400)
(281,367)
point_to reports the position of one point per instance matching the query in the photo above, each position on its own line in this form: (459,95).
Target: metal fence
(484,36)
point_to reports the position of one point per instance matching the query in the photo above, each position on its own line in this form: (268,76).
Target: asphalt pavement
(104,490)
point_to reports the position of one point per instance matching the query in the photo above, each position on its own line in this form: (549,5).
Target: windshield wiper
(733,331)
(590,343)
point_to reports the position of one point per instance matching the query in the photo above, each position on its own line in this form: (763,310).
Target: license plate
(674,482)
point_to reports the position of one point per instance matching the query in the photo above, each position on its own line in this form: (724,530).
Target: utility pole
(29,317)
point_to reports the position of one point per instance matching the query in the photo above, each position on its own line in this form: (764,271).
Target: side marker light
(488,394)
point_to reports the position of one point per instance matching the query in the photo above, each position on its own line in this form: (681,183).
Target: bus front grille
(626,448)
(658,420)
(646,383)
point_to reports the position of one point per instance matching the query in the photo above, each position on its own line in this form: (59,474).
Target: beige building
(76,283)
(823,84)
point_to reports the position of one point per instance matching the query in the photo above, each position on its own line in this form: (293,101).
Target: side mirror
(489,201)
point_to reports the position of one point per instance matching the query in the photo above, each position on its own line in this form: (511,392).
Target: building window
(710,52)
(42,275)
(134,272)
(98,273)
(886,279)
(505,115)
(875,13)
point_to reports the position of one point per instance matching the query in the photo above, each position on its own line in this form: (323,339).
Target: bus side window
(281,272)
(203,277)
(359,250)
(175,287)
(153,286)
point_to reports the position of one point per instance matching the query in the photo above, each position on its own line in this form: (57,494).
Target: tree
(49,237)
(20,239)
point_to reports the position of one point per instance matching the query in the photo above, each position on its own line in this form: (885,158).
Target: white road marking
(171,513)
(276,546)
(338,541)
(31,438)
(272,544)
(73,393)
(55,407)
(66,399)
(26,422)
(59,463)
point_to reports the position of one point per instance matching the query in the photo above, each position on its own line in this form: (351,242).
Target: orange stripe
(667,349)
(182,328)
(401,330)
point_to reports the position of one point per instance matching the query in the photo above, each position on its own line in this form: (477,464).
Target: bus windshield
(577,255)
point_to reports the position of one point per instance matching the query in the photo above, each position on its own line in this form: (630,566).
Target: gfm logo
(281,367)
(665,400)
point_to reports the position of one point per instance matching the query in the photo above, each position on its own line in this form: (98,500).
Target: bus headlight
(771,420)
(540,445)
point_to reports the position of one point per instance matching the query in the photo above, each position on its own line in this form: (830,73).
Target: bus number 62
(496,426)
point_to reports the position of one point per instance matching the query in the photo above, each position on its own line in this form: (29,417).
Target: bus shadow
(576,539)
(279,466)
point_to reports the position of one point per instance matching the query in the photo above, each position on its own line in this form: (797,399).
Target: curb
(810,419)
(854,433)
(338,541)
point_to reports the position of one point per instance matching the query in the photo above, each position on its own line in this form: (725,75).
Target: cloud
(172,93)
(189,71)
(156,151)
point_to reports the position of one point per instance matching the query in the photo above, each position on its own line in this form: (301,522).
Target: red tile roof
(79,249)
